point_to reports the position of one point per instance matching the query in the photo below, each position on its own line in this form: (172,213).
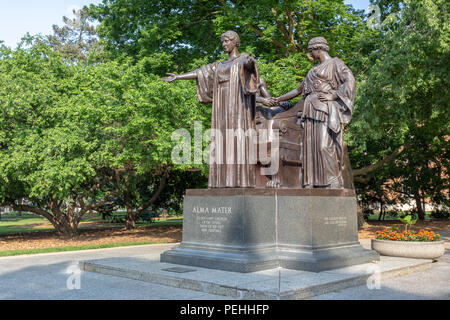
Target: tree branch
(259,33)
(155,196)
(366,170)
(28,208)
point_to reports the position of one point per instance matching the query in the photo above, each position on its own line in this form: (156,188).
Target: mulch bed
(50,239)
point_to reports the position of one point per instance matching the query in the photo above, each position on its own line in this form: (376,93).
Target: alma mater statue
(328,92)
(230,86)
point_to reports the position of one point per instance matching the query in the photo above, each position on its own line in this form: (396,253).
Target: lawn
(8,253)
(374,217)
(31,234)
(12,223)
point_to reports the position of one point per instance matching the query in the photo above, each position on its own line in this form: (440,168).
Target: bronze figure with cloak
(328,92)
(230,86)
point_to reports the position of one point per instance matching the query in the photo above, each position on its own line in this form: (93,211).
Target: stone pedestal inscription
(247,230)
(338,221)
(212,219)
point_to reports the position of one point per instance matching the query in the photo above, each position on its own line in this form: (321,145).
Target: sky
(17,17)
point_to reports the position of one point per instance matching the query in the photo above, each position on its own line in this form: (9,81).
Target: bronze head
(317,47)
(318,43)
(232,36)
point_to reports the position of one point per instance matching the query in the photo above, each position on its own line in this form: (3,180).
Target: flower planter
(409,249)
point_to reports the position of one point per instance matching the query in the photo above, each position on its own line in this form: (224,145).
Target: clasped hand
(270,102)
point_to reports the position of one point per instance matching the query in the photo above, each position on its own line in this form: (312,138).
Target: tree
(44,156)
(136,114)
(73,136)
(76,38)
(401,120)
(175,33)
(177,183)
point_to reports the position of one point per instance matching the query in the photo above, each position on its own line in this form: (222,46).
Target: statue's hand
(170,78)
(273,101)
(269,102)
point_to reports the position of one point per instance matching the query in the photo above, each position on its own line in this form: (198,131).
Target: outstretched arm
(264,96)
(263,89)
(185,76)
(292,94)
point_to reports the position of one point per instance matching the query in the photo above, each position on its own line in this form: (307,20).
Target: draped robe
(322,137)
(230,87)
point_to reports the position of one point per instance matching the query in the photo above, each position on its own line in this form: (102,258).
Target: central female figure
(230,86)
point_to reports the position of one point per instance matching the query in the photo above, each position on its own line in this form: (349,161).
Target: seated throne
(286,120)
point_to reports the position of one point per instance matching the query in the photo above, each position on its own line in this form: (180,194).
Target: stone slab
(273,284)
(248,230)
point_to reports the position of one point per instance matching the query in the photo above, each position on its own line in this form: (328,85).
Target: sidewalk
(45,277)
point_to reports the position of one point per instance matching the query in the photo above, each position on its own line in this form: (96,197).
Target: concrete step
(271,284)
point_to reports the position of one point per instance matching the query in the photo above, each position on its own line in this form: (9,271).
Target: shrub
(440,214)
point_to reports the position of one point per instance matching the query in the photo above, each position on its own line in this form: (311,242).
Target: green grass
(8,253)
(172,222)
(13,225)
(21,221)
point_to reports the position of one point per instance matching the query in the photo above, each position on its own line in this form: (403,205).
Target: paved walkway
(48,276)
(45,277)
(430,284)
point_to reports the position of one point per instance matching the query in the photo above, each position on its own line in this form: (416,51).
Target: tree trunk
(360,216)
(381,216)
(67,231)
(347,177)
(420,212)
(130,222)
(347,173)
(56,217)
(155,196)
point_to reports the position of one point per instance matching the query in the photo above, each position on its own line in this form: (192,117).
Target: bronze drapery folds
(328,91)
(230,87)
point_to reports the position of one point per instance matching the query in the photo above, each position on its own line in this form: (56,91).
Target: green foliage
(178,182)
(440,214)
(171,34)
(408,221)
(42,152)
(402,101)
(65,128)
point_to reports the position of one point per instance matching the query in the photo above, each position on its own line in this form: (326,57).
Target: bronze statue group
(234,87)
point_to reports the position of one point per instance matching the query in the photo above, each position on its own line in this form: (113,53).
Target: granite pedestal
(247,230)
